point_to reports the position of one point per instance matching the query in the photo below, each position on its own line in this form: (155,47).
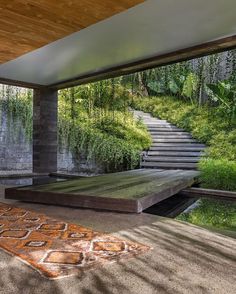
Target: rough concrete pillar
(45,130)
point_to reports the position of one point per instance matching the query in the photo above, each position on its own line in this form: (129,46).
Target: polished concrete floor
(184,258)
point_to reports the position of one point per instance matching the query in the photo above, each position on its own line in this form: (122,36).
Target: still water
(29,181)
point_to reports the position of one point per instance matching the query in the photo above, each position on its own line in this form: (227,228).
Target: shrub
(114,142)
(218,174)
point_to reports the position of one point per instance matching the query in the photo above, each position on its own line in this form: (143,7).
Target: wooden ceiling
(26,25)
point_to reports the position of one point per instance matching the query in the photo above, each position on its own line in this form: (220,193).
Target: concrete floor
(184,259)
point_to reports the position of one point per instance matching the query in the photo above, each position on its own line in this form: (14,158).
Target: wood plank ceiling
(26,25)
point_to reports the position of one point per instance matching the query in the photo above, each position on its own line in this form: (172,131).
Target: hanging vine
(17,104)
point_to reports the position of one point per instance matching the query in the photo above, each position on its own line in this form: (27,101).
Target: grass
(218,174)
(212,214)
(208,125)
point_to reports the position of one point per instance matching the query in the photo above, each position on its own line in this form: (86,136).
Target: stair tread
(175,153)
(174,140)
(161,126)
(176,144)
(169,130)
(171,135)
(170,159)
(175,165)
(174,148)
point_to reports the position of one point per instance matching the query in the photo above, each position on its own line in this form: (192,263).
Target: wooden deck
(130,191)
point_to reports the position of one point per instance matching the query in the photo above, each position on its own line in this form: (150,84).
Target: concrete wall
(15,150)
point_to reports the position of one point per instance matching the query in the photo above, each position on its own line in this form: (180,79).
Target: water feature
(219,214)
(210,213)
(26,181)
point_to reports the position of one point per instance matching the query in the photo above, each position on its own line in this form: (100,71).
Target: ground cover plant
(212,214)
(95,120)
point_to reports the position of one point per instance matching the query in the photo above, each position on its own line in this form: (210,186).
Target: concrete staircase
(172,148)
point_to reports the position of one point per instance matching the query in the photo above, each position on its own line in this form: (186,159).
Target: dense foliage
(224,93)
(191,80)
(17,103)
(95,120)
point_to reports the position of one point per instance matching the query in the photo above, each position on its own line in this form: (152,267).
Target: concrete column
(45,130)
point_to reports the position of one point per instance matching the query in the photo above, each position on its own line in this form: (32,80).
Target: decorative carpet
(58,249)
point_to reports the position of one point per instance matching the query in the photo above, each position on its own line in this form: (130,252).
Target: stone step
(174,141)
(171,136)
(175,153)
(169,129)
(182,149)
(160,125)
(168,165)
(175,144)
(156,121)
(175,148)
(170,159)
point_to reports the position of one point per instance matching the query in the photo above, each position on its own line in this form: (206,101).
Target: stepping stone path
(172,148)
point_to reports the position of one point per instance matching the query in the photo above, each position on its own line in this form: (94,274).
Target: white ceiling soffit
(153,28)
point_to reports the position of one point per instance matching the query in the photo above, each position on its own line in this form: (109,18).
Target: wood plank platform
(130,191)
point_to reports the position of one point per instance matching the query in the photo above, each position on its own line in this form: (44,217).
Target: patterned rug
(58,249)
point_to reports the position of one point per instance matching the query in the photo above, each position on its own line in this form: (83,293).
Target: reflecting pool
(210,213)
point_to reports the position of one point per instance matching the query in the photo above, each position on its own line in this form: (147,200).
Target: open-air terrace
(117,146)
